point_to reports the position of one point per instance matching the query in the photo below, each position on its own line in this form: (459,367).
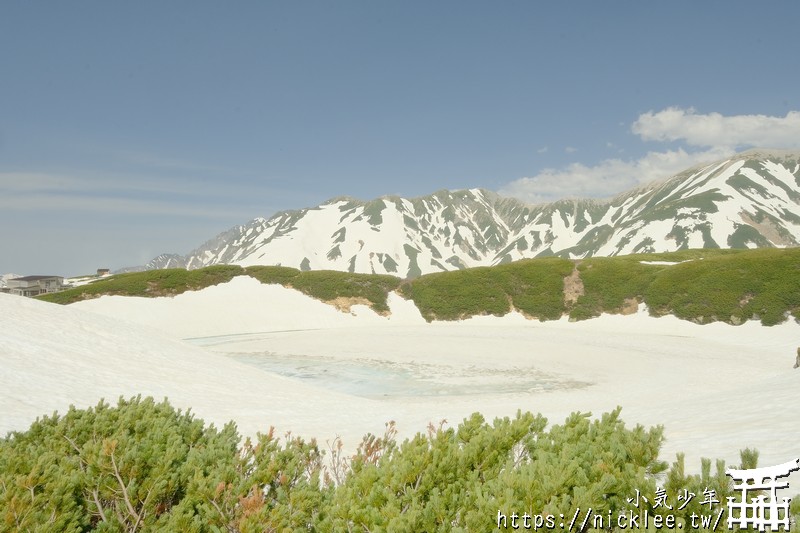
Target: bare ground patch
(346,303)
(573,287)
(630,306)
(768,229)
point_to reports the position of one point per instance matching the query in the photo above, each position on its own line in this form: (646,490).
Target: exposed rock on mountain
(748,201)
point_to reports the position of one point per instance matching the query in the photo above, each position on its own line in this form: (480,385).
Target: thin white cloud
(543,150)
(26,182)
(570,150)
(606,178)
(714,129)
(54,202)
(147,196)
(22,185)
(152,160)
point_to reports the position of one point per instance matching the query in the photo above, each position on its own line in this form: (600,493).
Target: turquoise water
(350,377)
(378,379)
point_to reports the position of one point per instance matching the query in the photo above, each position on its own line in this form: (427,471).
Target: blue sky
(132,129)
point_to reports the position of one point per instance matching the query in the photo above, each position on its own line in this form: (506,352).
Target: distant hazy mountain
(750,200)
(4,279)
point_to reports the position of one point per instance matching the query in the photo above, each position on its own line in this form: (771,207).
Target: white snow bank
(717,388)
(53,356)
(665,263)
(243,305)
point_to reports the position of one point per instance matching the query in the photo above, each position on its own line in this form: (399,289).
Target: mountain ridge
(748,200)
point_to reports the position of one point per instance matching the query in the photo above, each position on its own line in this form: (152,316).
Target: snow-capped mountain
(4,279)
(750,200)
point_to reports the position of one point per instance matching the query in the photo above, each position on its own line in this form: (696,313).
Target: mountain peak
(775,154)
(745,201)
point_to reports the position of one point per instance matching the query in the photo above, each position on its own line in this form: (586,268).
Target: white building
(35,285)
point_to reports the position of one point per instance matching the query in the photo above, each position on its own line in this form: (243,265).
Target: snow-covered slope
(717,388)
(751,200)
(244,305)
(54,356)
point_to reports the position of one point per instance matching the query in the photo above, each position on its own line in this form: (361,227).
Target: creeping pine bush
(705,286)
(608,282)
(165,282)
(323,285)
(533,286)
(145,466)
(329,284)
(755,284)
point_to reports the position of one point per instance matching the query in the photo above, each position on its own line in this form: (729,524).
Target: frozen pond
(379,378)
(716,388)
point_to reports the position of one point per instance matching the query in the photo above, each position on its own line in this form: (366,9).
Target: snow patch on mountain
(747,201)
(5,277)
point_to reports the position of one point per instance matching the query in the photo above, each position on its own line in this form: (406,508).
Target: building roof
(35,278)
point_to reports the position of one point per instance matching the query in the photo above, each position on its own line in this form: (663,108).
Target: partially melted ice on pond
(376,378)
(380,379)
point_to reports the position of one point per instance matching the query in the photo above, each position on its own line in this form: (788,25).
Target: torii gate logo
(760,512)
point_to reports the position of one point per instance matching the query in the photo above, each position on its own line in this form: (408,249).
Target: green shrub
(272,274)
(533,286)
(608,282)
(143,465)
(706,286)
(328,285)
(763,284)
(152,283)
